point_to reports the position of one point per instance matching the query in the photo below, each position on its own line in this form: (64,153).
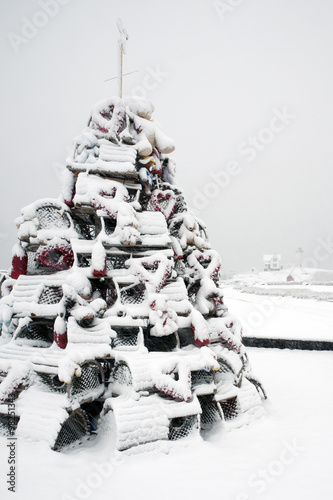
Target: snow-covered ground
(281,317)
(285,455)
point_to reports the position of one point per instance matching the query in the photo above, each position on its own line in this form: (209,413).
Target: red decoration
(57,257)
(164,201)
(99,273)
(19,266)
(198,342)
(61,339)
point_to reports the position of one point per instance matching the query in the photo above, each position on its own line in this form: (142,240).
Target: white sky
(220,81)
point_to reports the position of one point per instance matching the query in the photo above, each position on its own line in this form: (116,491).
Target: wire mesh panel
(50,216)
(122,374)
(175,226)
(126,337)
(229,408)
(50,295)
(201,377)
(163,344)
(134,294)
(114,262)
(73,429)
(224,370)
(8,424)
(109,226)
(86,225)
(192,291)
(52,382)
(180,203)
(182,426)
(33,265)
(84,260)
(107,290)
(185,336)
(210,410)
(90,379)
(39,330)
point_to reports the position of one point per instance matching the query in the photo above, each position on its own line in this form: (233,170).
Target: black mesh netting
(185,336)
(52,382)
(134,294)
(182,426)
(163,344)
(41,329)
(107,290)
(8,424)
(73,429)
(50,217)
(86,225)
(50,295)
(109,226)
(122,374)
(90,379)
(224,369)
(116,262)
(126,336)
(34,267)
(199,377)
(84,260)
(229,408)
(210,410)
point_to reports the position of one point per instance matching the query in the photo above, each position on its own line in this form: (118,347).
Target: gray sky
(246,93)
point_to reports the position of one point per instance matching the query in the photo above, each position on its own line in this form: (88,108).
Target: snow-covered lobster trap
(113,305)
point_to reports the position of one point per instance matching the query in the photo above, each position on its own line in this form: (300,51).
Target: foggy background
(216,71)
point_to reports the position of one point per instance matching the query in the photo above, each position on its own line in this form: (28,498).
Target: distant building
(272,262)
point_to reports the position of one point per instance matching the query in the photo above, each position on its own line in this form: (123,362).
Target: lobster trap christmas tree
(113,311)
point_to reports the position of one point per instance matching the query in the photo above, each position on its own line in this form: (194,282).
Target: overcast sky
(243,87)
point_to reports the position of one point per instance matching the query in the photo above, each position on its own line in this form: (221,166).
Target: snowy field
(283,317)
(285,455)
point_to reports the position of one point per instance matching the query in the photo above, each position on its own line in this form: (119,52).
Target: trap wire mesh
(8,424)
(52,382)
(39,330)
(210,410)
(91,378)
(134,294)
(199,377)
(50,295)
(50,217)
(115,262)
(182,427)
(229,408)
(122,374)
(126,337)
(75,427)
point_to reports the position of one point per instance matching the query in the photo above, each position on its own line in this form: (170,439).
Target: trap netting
(49,217)
(126,337)
(210,410)
(50,295)
(122,374)
(182,426)
(91,378)
(38,330)
(75,427)
(134,294)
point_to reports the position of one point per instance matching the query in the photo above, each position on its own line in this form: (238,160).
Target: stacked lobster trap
(113,309)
